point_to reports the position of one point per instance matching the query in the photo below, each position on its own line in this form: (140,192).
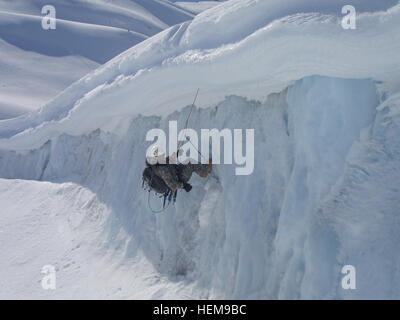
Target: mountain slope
(145,17)
(31,79)
(88,33)
(197,7)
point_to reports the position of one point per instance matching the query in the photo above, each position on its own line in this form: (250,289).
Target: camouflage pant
(186,170)
(176,175)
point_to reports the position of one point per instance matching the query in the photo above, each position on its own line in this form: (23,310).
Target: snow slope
(29,79)
(76,218)
(197,7)
(88,33)
(144,17)
(325,107)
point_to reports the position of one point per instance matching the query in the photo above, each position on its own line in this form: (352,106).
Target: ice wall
(283,232)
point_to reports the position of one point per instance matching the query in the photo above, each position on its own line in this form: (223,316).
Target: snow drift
(324,104)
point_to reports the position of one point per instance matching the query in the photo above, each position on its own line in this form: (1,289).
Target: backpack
(154,182)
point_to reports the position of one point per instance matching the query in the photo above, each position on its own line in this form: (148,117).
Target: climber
(163,175)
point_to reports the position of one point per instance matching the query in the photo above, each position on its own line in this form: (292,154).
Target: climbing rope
(196,149)
(186,125)
(187,119)
(156,211)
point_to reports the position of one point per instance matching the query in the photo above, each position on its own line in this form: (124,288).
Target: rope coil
(156,211)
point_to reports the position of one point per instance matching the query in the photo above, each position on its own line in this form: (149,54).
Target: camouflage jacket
(169,173)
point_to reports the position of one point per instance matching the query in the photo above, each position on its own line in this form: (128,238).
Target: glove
(187,187)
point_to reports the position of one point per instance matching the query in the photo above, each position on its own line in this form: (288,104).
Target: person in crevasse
(175,176)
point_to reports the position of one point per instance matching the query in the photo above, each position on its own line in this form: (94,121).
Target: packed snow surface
(324,103)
